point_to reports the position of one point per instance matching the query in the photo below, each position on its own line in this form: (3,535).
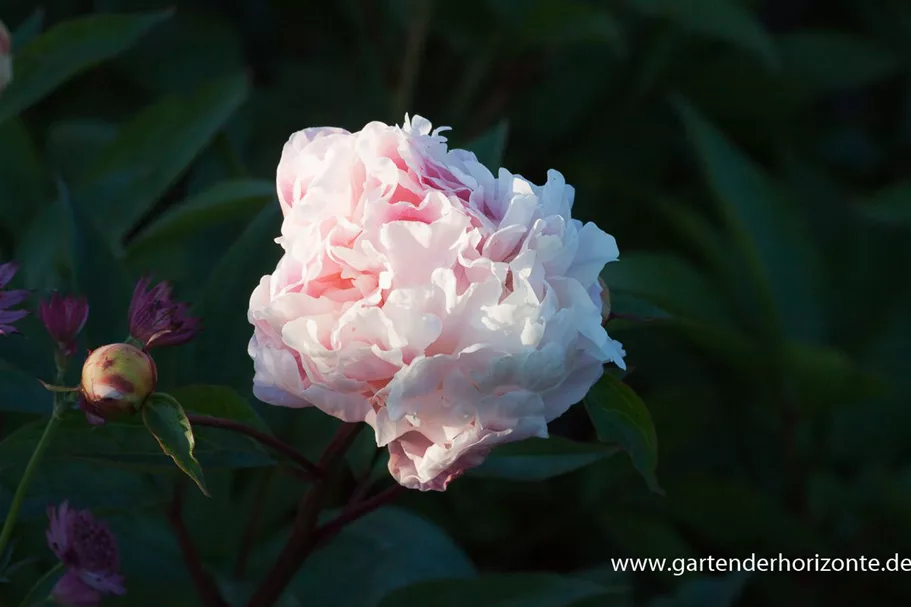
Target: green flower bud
(116,379)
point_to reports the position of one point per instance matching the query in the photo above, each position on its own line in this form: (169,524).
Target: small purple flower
(8,299)
(64,317)
(88,550)
(157,320)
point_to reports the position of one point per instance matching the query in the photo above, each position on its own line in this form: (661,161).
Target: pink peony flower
(156,319)
(64,317)
(450,309)
(8,299)
(88,550)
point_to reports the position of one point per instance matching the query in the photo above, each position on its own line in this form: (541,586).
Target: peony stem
(205,587)
(40,592)
(313,471)
(37,454)
(356,510)
(303,538)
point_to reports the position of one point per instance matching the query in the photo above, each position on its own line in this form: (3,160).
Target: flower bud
(117,379)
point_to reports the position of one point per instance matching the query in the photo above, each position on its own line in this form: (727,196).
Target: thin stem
(205,587)
(253,525)
(302,540)
(313,471)
(39,593)
(356,511)
(30,468)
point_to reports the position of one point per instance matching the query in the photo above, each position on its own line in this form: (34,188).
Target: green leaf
(706,592)
(620,417)
(152,151)
(221,355)
(385,550)
(769,231)
(726,20)
(568,22)
(40,592)
(890,206)
(68,49)
(166,420)
(21,392)
(28,30)
(219,401)
(23,180)
(826,376)
(834,60)
(98,275)
(498,590)
(489,147)
(538,459)
(223,201)
(669,282)
(73,145)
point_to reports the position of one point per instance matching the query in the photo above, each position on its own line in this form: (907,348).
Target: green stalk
(40,448)
(43,587)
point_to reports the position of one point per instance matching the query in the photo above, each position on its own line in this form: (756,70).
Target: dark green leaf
(219,401)
(221,355)
(384,551)
(620,417)
(890,206)
(498,590)
(73,146)
(24,184)
(768,228)
(726,20)
(834,60)
(489,147)
(706,592)
(21,392)
(537,459)
(568,22)
(28,30)
(98,275)
(68,49)
(223,201)
(166,420)
(42,589)
(152,151)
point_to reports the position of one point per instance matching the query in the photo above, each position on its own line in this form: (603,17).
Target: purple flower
(64,317)
(88,550)
(157,320)
(8,299)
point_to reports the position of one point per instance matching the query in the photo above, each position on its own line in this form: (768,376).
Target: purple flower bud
(88,550)
(116,380)
(8,299)
(64,317)
(157,320)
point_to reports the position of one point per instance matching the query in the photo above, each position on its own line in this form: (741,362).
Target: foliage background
(750,157)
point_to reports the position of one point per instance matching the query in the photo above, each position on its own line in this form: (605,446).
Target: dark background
(751,158)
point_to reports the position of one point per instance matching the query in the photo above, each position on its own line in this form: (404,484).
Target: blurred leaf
(537,459)
(891,205)
(624,304)
(219,401)
(570,22)
(98,275)
(21,392)
(73,145)
(834,60)
(28,30)
(669,282)
(40,592)
(166,420)
(719,591)
(221,202)
(498,590)
(68,49)
(222,355)
(127,444)
(23,180)
(489,147)
(825,376)
(151,152)
(620,417)
(384,551)
(768,228)
(43,248)
(725,20)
